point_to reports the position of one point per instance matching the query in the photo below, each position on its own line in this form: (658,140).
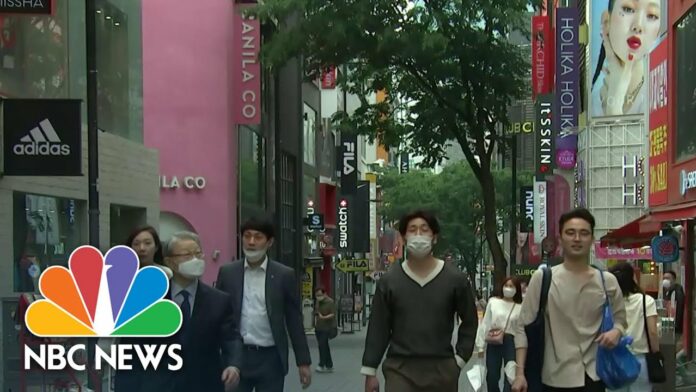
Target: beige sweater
(573,318)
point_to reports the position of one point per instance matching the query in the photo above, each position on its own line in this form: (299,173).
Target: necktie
(185,311)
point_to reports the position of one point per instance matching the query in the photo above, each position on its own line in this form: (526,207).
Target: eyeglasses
(198,255)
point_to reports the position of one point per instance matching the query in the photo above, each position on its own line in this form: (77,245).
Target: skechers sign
(687,180)
(665,249)
(42,137)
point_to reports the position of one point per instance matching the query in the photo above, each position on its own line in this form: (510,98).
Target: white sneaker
(321,369)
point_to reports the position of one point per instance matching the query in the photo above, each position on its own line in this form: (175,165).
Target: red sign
(246,74)
(659,115)
(328,77)
(542,56)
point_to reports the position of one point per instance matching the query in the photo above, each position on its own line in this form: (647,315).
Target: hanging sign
(665,249)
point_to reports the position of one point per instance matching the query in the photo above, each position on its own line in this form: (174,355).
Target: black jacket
(282,304)
(211,344)
(678,292)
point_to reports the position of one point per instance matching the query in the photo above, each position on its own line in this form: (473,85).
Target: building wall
(187,116)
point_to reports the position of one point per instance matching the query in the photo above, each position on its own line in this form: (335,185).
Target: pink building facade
(187,98)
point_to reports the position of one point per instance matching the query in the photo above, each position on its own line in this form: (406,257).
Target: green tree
(447,65)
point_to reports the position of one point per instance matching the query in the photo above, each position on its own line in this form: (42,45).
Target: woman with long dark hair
(640,310)
(495,331)
(146,243)
(629,31)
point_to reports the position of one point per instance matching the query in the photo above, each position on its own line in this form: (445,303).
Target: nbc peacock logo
(103,296)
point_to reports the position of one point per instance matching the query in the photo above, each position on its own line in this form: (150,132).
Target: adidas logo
(41,140)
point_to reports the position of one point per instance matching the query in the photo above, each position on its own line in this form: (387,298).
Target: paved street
(347,352)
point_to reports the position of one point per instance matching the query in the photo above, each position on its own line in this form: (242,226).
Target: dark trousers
(262,370)
(324,349)
(420,374)
(590,386)
(497,355)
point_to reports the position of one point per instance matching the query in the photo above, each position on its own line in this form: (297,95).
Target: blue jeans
(642,384)
(496,357)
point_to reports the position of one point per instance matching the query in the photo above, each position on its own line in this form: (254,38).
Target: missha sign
(246,73)
(26,6)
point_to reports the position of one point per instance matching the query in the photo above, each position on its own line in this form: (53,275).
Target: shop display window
(46,230)
(685,106)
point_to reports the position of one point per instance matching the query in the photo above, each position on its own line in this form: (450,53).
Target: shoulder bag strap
(508,317)
(545,287)
(645,324)
(604,285)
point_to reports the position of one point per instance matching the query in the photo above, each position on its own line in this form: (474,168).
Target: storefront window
(46,230)
(34,54)
(119,62)
(44,56)
(686,86)
(252,174)
(310,134)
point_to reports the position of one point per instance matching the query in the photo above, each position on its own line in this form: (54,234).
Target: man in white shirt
(269,310)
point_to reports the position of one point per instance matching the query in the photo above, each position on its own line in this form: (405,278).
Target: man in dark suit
(209,336)
(267,302)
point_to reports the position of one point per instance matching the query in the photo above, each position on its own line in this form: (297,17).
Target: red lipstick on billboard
(634,42)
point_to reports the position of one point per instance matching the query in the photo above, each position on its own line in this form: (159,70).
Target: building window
(119,65)
(288,210)
(252,174)
(34,54)
(686,86)
(310,134)
(46,230)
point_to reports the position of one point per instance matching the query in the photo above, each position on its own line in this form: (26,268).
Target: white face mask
(666,283)
(192,269)
(509,292)
(419,245)
(254,255)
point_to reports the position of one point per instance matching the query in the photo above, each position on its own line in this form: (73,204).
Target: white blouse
(496,317)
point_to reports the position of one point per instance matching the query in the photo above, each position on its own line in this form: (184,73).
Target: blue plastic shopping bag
(616,367)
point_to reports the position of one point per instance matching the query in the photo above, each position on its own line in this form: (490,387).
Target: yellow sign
(353,265)
(308,282)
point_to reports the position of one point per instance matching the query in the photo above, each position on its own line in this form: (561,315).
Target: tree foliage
(455,197)
(447,66)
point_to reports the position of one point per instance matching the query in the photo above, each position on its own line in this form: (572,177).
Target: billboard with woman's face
(622,34)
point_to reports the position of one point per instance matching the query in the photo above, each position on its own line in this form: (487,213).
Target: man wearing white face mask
(211,345)
(412,312)
(269,310)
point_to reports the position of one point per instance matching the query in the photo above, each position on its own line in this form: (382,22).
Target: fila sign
(348,164)
(42,137)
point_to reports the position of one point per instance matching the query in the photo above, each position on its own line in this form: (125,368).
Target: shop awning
(640,232)
(634,234)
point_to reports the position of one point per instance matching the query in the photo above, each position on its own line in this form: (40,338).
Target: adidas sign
(41,140)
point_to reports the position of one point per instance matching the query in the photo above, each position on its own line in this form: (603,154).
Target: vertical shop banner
(405,164)
(328,77)
(567,92)
(526,209)
(540,212)
(343,225)
(611,28)
(542,56)
(544,135)
(348,164)
(246,70)
(659,115)
(360,218)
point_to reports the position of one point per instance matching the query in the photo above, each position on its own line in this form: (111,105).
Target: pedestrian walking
(325,329)
(412,314)
(211,345)
(146,243)
(641,313)
(269,310)
(573,314)
(495,336)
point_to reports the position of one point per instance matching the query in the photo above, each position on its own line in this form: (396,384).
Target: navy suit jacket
(282,304)
(211,344)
